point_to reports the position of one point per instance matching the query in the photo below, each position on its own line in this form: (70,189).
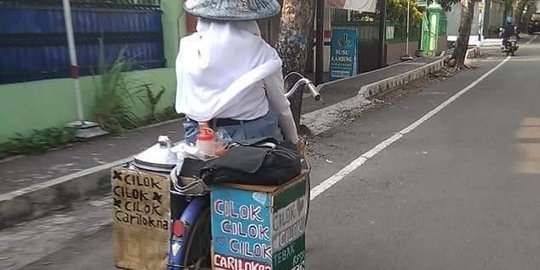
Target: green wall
(174,27)
(51,103)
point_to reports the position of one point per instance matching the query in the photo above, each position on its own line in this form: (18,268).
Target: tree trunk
(274,28)
(462,44)
(296,27)
(526,18)
(517,12)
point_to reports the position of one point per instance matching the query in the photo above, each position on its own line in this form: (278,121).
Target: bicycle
(190,234)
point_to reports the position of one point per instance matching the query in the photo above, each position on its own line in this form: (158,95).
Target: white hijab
(221,64)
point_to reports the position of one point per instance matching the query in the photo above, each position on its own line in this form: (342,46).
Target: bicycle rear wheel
(198,255)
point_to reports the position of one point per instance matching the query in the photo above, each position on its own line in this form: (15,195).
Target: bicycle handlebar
(314,90)
(303,81)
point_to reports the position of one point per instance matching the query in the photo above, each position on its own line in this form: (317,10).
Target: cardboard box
(141,217)
(259,227)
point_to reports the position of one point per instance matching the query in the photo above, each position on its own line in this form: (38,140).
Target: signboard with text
(141,204)
(343,52)
(259,230)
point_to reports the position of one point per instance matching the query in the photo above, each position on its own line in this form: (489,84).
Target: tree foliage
(518,12)
(447,4)
(531,9)
(397,12)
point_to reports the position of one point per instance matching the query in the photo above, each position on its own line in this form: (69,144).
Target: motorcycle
(509,44)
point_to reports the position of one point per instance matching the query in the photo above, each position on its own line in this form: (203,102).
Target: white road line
(529,42)
(10,195)
(334,179)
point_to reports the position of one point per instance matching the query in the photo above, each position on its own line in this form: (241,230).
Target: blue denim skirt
(266,126)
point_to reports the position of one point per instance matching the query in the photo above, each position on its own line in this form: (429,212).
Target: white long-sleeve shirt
(275,93)
(226,70)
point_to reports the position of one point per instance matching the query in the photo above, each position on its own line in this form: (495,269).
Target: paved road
(459,191)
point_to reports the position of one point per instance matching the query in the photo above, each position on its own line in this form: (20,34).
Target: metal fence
(33,43)
(399,33)
(93,4)
(368,43)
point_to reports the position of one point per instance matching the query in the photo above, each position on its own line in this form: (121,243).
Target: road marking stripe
(334,179)
(528,158)
(10,195)
(528,133)
(529,42)
(528,150)
(531,122)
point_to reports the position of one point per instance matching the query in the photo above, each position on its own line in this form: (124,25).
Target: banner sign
(357,5)
(343,55)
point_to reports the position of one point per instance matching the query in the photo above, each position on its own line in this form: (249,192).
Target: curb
(56,194)
(324,119)
(322,85)
(387,84)
(468,57)
(40,199)
(37,200)
(391,83)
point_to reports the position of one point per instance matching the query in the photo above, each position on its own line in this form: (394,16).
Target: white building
(488,18)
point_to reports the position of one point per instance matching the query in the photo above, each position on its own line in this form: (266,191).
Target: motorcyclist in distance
(509,30)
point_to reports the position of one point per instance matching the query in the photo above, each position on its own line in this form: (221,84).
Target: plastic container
(206,141)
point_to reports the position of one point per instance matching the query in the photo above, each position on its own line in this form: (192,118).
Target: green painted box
(260,227)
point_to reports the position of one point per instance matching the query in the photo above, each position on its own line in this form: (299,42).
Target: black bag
(254,164)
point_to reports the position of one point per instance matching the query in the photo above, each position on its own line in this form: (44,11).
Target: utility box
(432,21)
(259,227)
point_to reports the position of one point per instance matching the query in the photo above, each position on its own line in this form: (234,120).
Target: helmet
(232,10)
(509,19)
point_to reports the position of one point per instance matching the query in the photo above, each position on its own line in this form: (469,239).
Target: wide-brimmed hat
(232,10)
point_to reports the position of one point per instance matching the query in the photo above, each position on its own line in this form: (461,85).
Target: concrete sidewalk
(37,184)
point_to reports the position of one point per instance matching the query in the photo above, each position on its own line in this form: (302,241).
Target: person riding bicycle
(228,77)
